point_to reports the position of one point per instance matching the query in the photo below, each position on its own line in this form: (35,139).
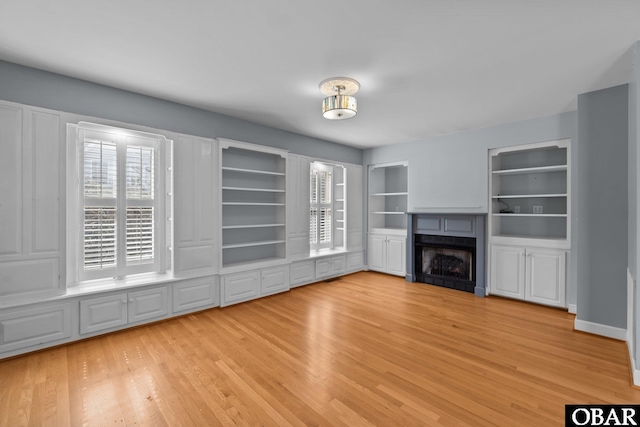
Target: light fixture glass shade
(339,107)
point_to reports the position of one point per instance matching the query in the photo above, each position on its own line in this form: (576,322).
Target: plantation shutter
(320,218)
(100,196)
(119,175)
(140,199)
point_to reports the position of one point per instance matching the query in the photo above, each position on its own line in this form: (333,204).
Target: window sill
(90,287)
(325,252)
(105,285)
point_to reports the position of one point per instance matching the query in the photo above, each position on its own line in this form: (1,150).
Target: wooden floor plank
(368,349)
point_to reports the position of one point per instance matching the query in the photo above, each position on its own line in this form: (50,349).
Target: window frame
(123,138)
(318,206)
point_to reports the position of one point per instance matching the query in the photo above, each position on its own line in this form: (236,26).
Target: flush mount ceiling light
(339,104)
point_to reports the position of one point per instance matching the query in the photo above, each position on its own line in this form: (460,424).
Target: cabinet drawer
(240,287)
(274,280)
(195,294)
(148,304)
(101,313)
(36,326)
(302,272)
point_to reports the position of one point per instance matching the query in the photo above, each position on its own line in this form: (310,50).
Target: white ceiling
(426,67)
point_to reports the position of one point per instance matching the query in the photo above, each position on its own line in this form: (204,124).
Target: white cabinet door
(396,254)
(377,252)
(302,272)
(507,274)
(101,313)
(323,268)
(338,264)
(148,304)
(546,276)
(240,287)
(274,280)
(26,328)
(193,294)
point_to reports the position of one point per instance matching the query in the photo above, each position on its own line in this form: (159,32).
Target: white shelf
(389,213)
(265,190)
(340,184)
(255,171)
(339,220)
(404,193)
(339,229)
(528,196)
(339,200)
(252,244)
(234,227)
(251,204)
(339,210)
(540,169)
(530,215)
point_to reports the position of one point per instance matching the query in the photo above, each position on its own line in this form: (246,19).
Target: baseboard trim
(573,308)
(598,329)
(635,373)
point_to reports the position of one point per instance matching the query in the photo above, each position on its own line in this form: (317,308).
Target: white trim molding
(635,373)
(631,317)
(573,308)
(598,329)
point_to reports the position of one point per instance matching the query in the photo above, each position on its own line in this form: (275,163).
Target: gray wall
(48,90)
(451,172)
(634,209)
(603,205)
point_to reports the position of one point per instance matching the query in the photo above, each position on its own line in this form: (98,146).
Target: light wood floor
(368,349)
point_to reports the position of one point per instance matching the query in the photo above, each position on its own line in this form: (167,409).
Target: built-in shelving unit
(388,197)
(529,224)
(339,205)
(253,203)
(388,193)
(530,192)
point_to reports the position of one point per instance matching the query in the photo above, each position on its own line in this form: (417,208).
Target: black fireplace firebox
(446,261)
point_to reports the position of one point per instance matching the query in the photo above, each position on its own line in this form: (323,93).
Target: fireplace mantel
(453,225)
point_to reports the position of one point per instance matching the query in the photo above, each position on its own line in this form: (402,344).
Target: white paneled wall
(31,202)
(298,205)
(195,161)
(42,306)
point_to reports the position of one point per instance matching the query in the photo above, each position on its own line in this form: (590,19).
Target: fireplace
(446,261)
(448,250)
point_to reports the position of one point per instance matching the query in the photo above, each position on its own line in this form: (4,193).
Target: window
(121,202)
(321,204)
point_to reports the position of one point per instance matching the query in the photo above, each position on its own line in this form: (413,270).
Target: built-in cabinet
(116,310)
(34,327)
(387,206)
(529,227)
(237,217)
(387,253)
(248,285)
(528,273)
(331,266)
